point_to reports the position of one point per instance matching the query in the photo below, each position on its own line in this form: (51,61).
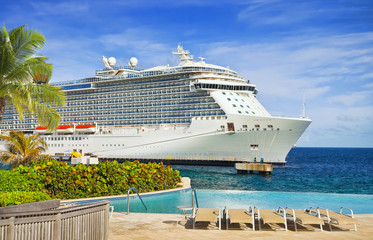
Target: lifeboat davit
(65,129)
(41,130)
(85,128)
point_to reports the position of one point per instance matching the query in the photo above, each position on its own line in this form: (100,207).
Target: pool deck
(174,226)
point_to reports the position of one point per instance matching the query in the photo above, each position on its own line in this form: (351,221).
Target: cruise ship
(192,113)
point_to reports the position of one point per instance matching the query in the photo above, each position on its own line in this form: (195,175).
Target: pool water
(167,203)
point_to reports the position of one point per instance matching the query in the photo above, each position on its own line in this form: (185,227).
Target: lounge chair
(336,218)
(270,216)
(304,218)
(206,215)
(240,216)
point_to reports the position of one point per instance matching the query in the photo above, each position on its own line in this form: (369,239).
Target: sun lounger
(240,216)
(206,215)
(270,216)
(304,218)
(336,218)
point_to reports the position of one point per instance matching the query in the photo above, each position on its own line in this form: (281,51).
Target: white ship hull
(203,140)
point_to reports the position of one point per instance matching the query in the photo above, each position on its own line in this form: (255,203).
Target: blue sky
(320,49)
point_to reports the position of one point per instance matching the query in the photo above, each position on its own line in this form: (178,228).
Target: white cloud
(141,43)
(57,8)
(353,98)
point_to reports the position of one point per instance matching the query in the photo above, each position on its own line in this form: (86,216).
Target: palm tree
(24,77)
(22,149)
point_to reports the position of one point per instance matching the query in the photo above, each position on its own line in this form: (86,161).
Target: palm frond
(19,67)
(47,116)
(22,149)
(47,94)
(7,58)
(26,71)
(26,42)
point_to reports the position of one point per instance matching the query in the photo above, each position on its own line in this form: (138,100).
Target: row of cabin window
(186,94)
(147,111)
(224,87)
(134,117)
(126,93)
(126,89)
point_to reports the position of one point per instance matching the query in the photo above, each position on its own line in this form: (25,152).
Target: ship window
(230,126)
(247,112)
(270,126)
(234,105)
(242,100)
(247,106)
(231,93)
(239,112)
(228,99)
(244,126)
(241,106)
(254,146)
(253,112)
(223,93)
(257,126)
(222,126)
(236,99)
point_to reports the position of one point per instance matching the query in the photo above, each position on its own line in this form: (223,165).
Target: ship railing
(145,74)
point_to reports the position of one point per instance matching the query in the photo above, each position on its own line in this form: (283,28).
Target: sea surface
(323,170)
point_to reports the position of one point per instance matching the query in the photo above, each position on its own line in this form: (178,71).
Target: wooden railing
(83,222)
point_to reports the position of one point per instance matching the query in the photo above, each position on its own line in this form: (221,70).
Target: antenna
(304,107)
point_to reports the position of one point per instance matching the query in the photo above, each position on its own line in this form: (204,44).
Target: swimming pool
(168,202)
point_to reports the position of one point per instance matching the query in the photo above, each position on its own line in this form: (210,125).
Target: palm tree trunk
(2,107)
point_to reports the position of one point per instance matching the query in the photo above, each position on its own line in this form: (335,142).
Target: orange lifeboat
(65,129)
(41,130)
(85,128)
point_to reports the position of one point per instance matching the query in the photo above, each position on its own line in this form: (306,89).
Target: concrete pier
(261,168)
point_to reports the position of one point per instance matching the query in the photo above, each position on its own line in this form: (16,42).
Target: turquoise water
(167,203)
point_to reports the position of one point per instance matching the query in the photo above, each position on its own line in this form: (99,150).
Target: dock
(261,168)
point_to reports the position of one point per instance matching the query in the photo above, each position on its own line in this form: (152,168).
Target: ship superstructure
(187,113)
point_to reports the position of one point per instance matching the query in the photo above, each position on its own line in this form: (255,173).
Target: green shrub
(108,178)
(19,197)
(14,181)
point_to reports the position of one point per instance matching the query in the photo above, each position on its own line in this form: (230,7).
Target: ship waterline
(194,112)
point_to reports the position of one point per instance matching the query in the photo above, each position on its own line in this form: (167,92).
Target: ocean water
(323,170)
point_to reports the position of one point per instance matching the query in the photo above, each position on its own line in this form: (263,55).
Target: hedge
(19,197)
(64,181)
(15,181)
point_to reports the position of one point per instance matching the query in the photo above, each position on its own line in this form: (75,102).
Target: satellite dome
(112,61)
(133,62)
